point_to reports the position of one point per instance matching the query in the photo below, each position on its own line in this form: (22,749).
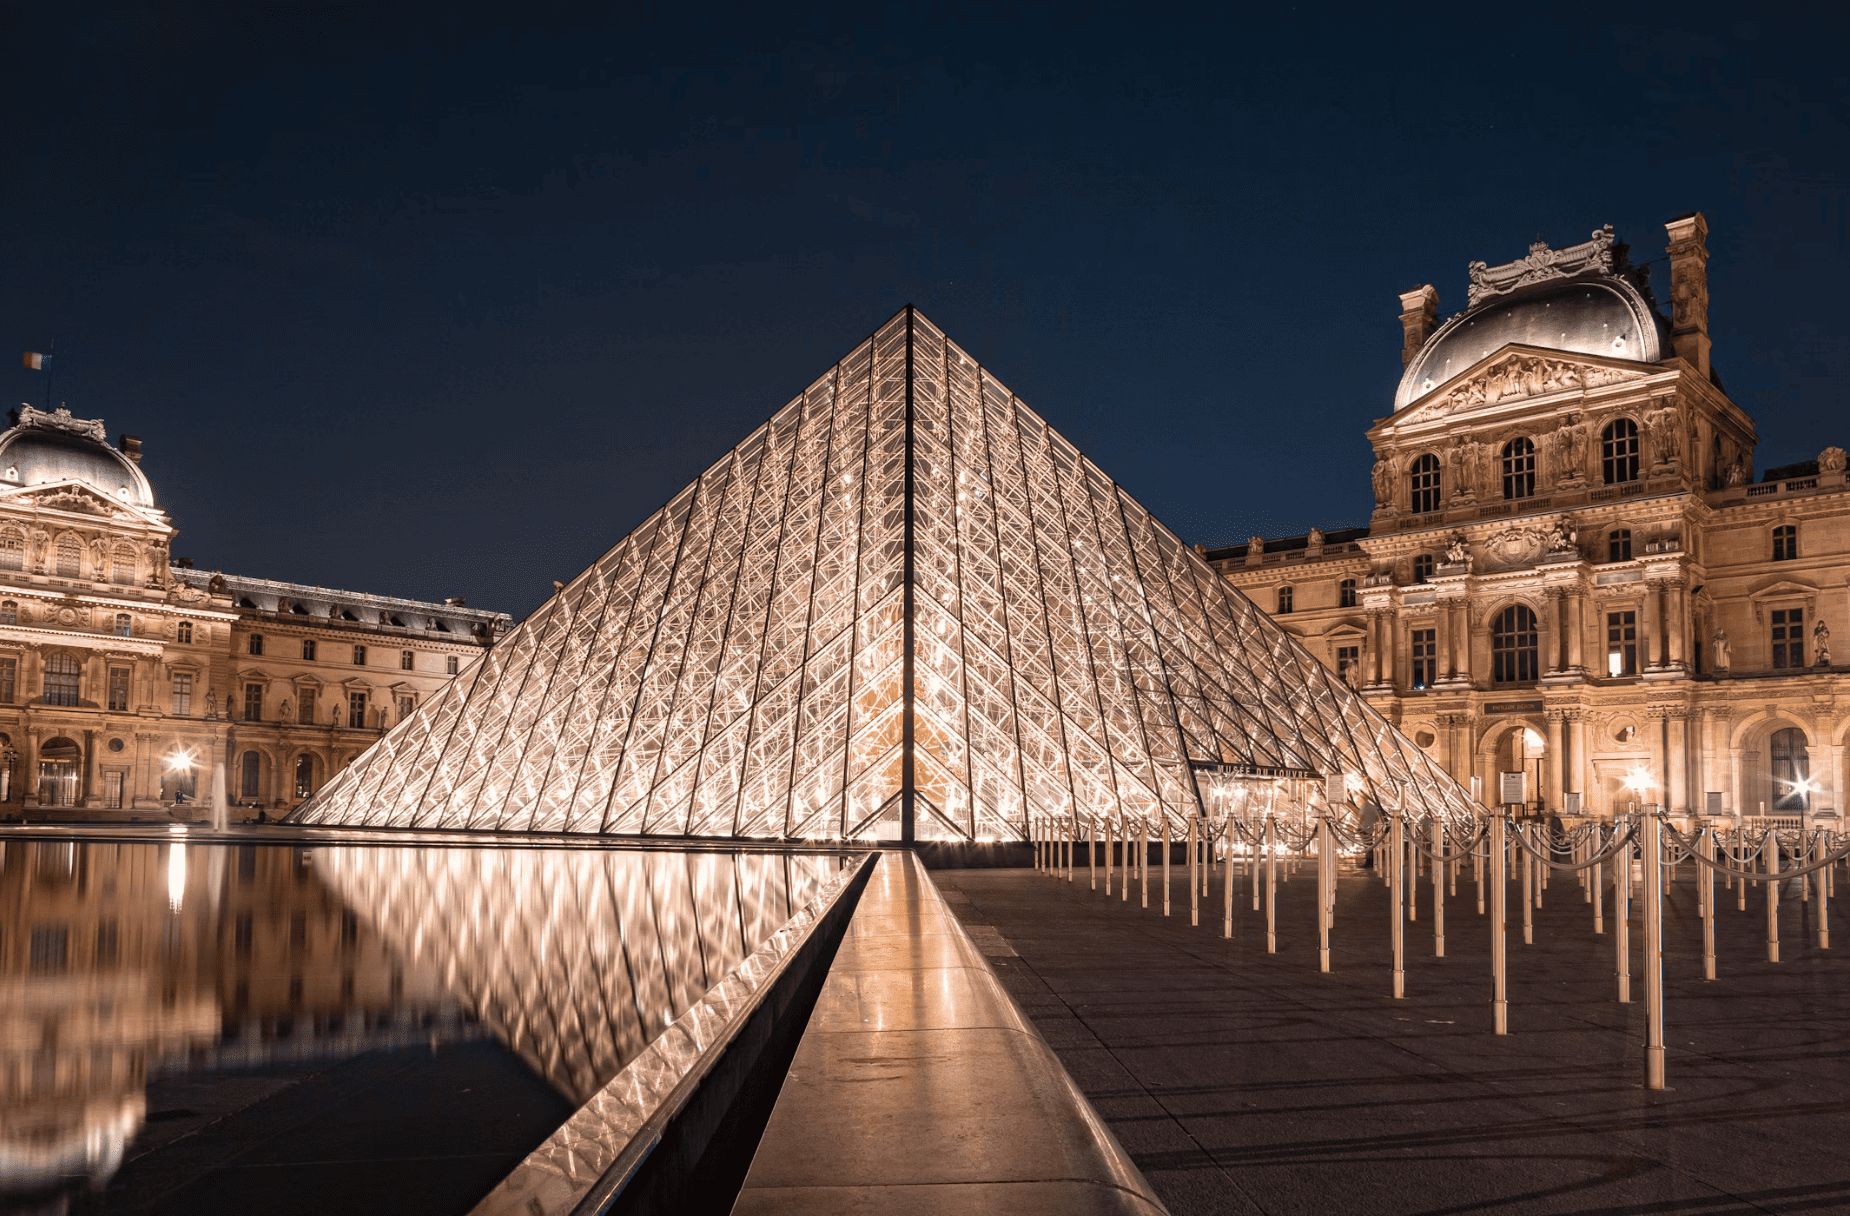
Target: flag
(35,360)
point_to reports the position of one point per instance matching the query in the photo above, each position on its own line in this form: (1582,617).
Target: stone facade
(125,679)
(1570,571)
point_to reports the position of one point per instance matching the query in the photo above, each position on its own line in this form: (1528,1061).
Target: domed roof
(1604,315)
(47,448)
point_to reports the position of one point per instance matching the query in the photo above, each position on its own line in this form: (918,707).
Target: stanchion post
(1622,917)
(1092,850)
(1397,861)
(1165,863)
(1143,859)
(1271,885)
(1194,890)
(1325,873)
(1599,884)
(1769,849)
(1653,949)
(1706,842)
(1499,908)
(1110,831)
(1438,889)
(1528,890)
(1226,925)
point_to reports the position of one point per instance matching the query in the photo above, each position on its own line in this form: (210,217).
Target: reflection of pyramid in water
(905,606)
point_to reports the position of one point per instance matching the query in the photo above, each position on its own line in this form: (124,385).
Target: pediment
(1512,374)
(79,499)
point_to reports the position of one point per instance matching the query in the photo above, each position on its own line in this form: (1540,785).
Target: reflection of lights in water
(176,874)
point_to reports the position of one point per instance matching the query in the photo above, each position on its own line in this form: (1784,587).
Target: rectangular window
(51,949)
(125,625)
(305,711)
(1425,657)
(356,710)
(405,661)
(118,688)
(1621,643)
(359,656)
(186,631)
(112,790)
(1348,657)
(182,693)
(122,569)
(253,702)
(308,649)
(405,706)
(450,665)
(9,677)
(1788,637)
(256,643)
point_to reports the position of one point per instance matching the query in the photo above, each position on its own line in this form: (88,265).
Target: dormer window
(1423,481)
(70,557)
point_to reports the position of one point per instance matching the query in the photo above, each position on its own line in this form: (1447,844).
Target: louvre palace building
(1572,570)
(127,678)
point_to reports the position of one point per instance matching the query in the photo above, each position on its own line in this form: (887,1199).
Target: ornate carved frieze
(1517,376)
(1515,547)
(1541,264)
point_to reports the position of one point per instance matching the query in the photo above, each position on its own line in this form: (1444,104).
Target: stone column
(1673,628)
(29,764)
(89,796)
(1442,648)
(1461,641)
(1557,632)
(1555,770)
(1387,631)
(1676,763)
(1576,629)
(1374,646)
(1657,648)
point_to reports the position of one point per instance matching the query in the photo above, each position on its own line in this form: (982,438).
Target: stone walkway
(1241,1082)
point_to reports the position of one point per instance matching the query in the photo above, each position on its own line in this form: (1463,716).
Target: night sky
(436,301)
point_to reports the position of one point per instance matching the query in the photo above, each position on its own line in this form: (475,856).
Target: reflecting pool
(209,1027)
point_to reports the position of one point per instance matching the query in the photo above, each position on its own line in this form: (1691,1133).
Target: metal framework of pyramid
(904,608)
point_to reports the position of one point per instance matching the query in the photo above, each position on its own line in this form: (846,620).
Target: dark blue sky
(439,301)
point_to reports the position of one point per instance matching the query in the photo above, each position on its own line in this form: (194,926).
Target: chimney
(1418,310)
(131,447)
(456,601)
(1689,289)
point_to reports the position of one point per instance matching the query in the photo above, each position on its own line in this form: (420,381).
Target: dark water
(201,1028)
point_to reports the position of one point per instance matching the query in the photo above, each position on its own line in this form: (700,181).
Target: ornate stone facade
(1570,569)
(126,679)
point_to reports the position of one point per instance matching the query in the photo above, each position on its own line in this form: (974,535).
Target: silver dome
(39,455)
(1595,316)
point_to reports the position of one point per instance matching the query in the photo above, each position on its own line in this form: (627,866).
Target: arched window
(1422,568)
(1619,451)
(1284,599)
(70,557)
(1619,545)
(1785,542)
(1791,770)
(12,549)
(125,625)
(304,775)
(1424,479)
(1519,469)
(61,677)
(1345,593)
(9,612)
(247,775)
(1513,646)
(122,565)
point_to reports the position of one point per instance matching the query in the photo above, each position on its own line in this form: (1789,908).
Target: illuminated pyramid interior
(903,608)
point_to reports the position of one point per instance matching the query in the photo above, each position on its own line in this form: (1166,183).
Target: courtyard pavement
(1242,1082)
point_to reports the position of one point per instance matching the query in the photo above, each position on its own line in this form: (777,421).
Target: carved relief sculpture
(1455,468)
(1521,376)
(1821,643)
(1255,546)
(1541,264)
(1720,642)
(1666,434)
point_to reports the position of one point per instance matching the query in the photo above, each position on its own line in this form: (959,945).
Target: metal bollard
(1706,841)
(1165,864)
(1769,850)
(1397,857)
(1622,917)
(1438,890)
(1271,885)
(1653,951)
(1194,892)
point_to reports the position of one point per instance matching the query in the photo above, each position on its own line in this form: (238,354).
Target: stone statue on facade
(1255,546)
(1720,642)
(1455,468)
(1384,483)
(1831,460)
(1573,449)
(1456,553)
(1737,473)
(211,704)
(1561,538)
(1666,439)
(1821,643)
(282,711)
(1315,539)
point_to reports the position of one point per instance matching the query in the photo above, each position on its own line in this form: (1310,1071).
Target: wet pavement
(1242,1082)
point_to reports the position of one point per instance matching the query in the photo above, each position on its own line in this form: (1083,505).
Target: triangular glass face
(903,608)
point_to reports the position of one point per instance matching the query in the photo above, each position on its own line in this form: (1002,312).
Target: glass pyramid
(905,608)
